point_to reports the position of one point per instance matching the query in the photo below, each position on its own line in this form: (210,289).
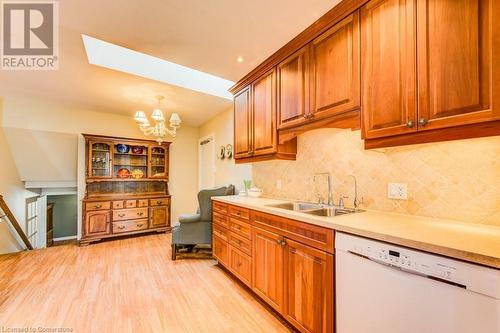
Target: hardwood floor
(126,285)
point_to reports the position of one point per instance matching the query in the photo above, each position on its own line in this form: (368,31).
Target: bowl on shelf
(123,173)
(137,150)
(121,148)
(137,174)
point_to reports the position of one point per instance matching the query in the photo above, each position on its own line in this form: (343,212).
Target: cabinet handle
(139,225)
(121,215)
(308,115)
(238,242)
(98,206)
(158,202)
(410,124)
(121,227)
(422,121)
(140,213)
(281,242)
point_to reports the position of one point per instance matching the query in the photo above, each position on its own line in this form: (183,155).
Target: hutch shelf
(126,188)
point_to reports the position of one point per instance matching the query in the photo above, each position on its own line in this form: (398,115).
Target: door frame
(210,137)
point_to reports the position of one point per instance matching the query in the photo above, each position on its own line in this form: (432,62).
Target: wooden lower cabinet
(294,278)
(309,287)
(104,219)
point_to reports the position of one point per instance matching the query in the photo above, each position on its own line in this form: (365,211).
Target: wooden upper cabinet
(99,159)
(242,124)
(293,89)
(335,73)
(388,68)
(456,66)
(309,281)
(268,263)
(264,134)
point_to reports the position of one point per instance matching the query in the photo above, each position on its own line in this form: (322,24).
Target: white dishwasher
(384,288)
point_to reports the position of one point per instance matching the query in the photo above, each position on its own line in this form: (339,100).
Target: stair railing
(6,213)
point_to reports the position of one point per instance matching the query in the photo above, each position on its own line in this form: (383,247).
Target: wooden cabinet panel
(242,124)
(158,216)
(220,219)
(97,223)
(98,205)
(239,212)
(159,202)
(240,227)
(309,281)
(221,232)
(388,68)
(264,115)
(241,265)
(241,243)
(455,65)
(335,73)
(142,203)
(219,207)
(268,259)
(293,89)
(220,250)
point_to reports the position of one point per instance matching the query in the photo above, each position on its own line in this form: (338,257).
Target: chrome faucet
(330,194)
(356,202)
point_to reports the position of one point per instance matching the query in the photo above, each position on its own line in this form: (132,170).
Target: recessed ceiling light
(104,54)
(239,59)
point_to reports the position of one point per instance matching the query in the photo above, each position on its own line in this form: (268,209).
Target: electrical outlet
(398,191)
(279,184)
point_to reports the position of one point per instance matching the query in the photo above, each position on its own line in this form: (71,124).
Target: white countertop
(466,241)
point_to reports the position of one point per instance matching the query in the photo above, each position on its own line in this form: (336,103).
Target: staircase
(7,216)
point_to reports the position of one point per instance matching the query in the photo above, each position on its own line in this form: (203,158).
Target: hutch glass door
(100,160)
(130,161)
(158,160)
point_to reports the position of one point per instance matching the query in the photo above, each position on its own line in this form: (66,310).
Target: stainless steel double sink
(315,209)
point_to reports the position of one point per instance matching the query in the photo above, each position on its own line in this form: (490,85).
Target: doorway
(206,164)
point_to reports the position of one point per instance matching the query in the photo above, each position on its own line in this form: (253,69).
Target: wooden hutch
(126,187)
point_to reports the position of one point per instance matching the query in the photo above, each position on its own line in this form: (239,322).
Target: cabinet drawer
(159,202)
(240,243)
(98,205)
(143,203)
(220,250)
(118,204)
(127,226)
(219,207)
(130,203)
(220,219)
(241,213)
(221,232)
(129,214)
(241,266)
(240,227)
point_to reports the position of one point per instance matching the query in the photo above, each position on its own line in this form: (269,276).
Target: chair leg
(174,251)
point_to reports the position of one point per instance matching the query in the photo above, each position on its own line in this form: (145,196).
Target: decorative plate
(137,174)
(122,148)
(123,173)
(137,150)
(221,153)
(229,151)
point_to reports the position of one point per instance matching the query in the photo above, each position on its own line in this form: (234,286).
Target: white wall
(226,171)
(52,130)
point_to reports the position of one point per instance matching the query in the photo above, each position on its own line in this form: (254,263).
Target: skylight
(104,54)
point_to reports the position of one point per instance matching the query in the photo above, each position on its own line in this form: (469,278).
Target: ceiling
(204,35)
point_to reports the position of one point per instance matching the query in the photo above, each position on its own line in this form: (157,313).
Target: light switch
(398,191)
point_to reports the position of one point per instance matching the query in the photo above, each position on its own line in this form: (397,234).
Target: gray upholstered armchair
(196,229)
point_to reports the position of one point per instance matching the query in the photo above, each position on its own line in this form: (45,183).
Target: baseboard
(64,238)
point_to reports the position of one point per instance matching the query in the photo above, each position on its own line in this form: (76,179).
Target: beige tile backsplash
(457,180)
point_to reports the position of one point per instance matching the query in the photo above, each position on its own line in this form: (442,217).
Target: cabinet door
(242,124)
(158,216)
(264,115)
(268,258)
(388,68)
(456,66)
(220,250)
(97,223)
(158,162)
(309,288)
(335,73)
(293,89)
(99,160)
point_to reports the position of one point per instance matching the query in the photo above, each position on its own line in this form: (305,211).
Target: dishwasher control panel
(458,273)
